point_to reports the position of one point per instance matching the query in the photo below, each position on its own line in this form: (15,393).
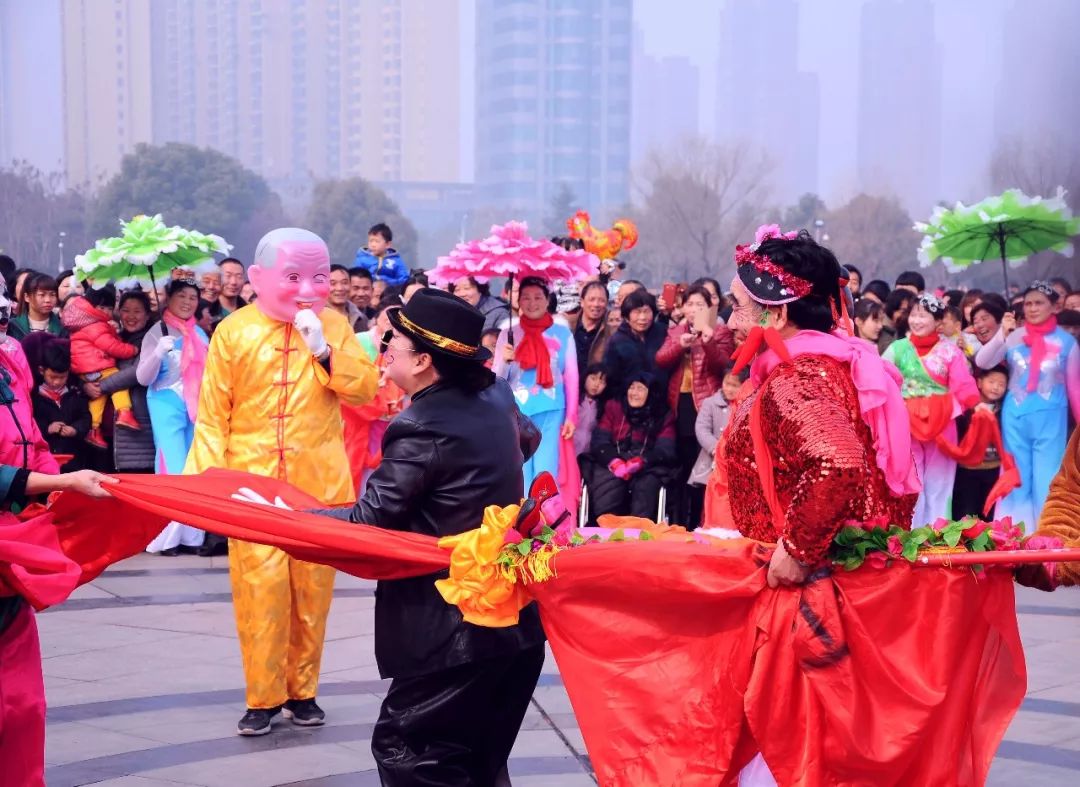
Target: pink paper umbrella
(510,251)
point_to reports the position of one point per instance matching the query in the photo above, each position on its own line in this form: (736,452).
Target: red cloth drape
(717,510)
(983,432)
(357,424)
(681,664)
(98,533)
(32,564)
(929,415)
(679,661)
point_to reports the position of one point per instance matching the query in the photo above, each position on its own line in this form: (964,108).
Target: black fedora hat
(441,323)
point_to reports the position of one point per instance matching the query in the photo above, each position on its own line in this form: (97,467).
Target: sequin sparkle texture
(823,459)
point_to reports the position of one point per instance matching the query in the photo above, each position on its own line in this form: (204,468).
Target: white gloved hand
(246,495)
(310,327)
(165,345)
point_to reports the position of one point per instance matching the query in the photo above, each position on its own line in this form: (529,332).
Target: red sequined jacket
(823,457)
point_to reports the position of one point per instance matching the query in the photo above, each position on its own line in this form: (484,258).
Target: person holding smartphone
(695,354)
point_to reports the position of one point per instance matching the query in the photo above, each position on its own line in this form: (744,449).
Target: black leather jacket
(445,459)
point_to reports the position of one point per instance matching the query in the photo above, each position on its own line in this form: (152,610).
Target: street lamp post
(60,245)
(819,228)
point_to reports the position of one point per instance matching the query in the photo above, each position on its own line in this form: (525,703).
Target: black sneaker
(257,722)
(306,713)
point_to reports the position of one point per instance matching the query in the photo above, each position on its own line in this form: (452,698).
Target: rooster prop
(605,244)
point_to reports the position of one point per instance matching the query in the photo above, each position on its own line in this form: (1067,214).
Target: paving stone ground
(144,684)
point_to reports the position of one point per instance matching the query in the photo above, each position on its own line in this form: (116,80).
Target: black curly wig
(805,258)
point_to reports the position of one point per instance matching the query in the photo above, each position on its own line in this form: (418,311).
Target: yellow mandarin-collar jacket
(267,406)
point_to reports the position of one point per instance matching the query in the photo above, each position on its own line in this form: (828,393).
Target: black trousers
(970,490)
(609,494)
(685,502)
(455,727)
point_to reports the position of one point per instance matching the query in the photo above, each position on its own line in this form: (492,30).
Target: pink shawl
(878,385)
(192,359)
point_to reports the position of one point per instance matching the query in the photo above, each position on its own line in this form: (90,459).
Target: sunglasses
(385,345)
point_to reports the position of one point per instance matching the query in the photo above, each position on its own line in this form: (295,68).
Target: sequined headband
(931,303)
(442,342)
(184,275)
(792,287)
(1044,287)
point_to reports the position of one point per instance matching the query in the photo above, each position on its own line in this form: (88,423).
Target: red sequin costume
(823,458)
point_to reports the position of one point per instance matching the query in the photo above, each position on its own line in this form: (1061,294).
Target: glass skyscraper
(553,102)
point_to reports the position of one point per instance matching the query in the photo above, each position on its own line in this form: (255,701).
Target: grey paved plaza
(145,688)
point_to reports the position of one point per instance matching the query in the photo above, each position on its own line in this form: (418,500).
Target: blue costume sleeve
(12,485)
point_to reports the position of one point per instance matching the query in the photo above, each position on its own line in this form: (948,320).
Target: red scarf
(923,344)
(56,394)
(532,351)
(1035,338)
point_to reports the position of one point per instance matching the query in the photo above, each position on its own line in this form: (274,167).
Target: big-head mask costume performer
(824,437)
(459,690)
(269,404)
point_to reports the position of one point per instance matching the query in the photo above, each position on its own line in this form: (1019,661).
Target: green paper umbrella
(1010,227)
(147,251)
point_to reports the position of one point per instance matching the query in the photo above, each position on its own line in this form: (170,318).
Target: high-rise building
(763,99)
(106,85)
(899,112)
(292,88)
(1040,71)
(31,127)
(323,88)
(665,103)
(553,95)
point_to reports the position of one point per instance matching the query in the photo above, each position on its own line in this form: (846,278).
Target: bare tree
(1039,167)
(698,199)
(875,234)
(34,211)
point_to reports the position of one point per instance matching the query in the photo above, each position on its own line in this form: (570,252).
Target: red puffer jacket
(709,360)
(95,345)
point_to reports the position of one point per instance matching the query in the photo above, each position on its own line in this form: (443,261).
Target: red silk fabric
(983,432)
(681,664)
(32,564)
(679,661)
(98,533)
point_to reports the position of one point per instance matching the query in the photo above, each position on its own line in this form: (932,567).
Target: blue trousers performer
(171,367)
(1044,384)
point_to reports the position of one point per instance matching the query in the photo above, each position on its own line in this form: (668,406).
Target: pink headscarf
(880,402)
(192,359)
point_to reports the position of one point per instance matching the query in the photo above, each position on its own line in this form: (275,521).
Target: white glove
(310,327)
(246,495)
(165,345)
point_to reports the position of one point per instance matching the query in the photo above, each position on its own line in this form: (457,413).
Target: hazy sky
(970,36)
(829,46)
(467,35)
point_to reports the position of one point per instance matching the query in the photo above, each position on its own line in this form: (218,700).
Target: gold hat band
(441,342)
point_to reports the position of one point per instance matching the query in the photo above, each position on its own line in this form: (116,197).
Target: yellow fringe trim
(536,566)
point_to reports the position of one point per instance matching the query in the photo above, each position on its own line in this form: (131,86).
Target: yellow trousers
(121,400)
(281,606)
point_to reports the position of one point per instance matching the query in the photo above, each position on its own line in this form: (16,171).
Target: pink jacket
(21,443)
